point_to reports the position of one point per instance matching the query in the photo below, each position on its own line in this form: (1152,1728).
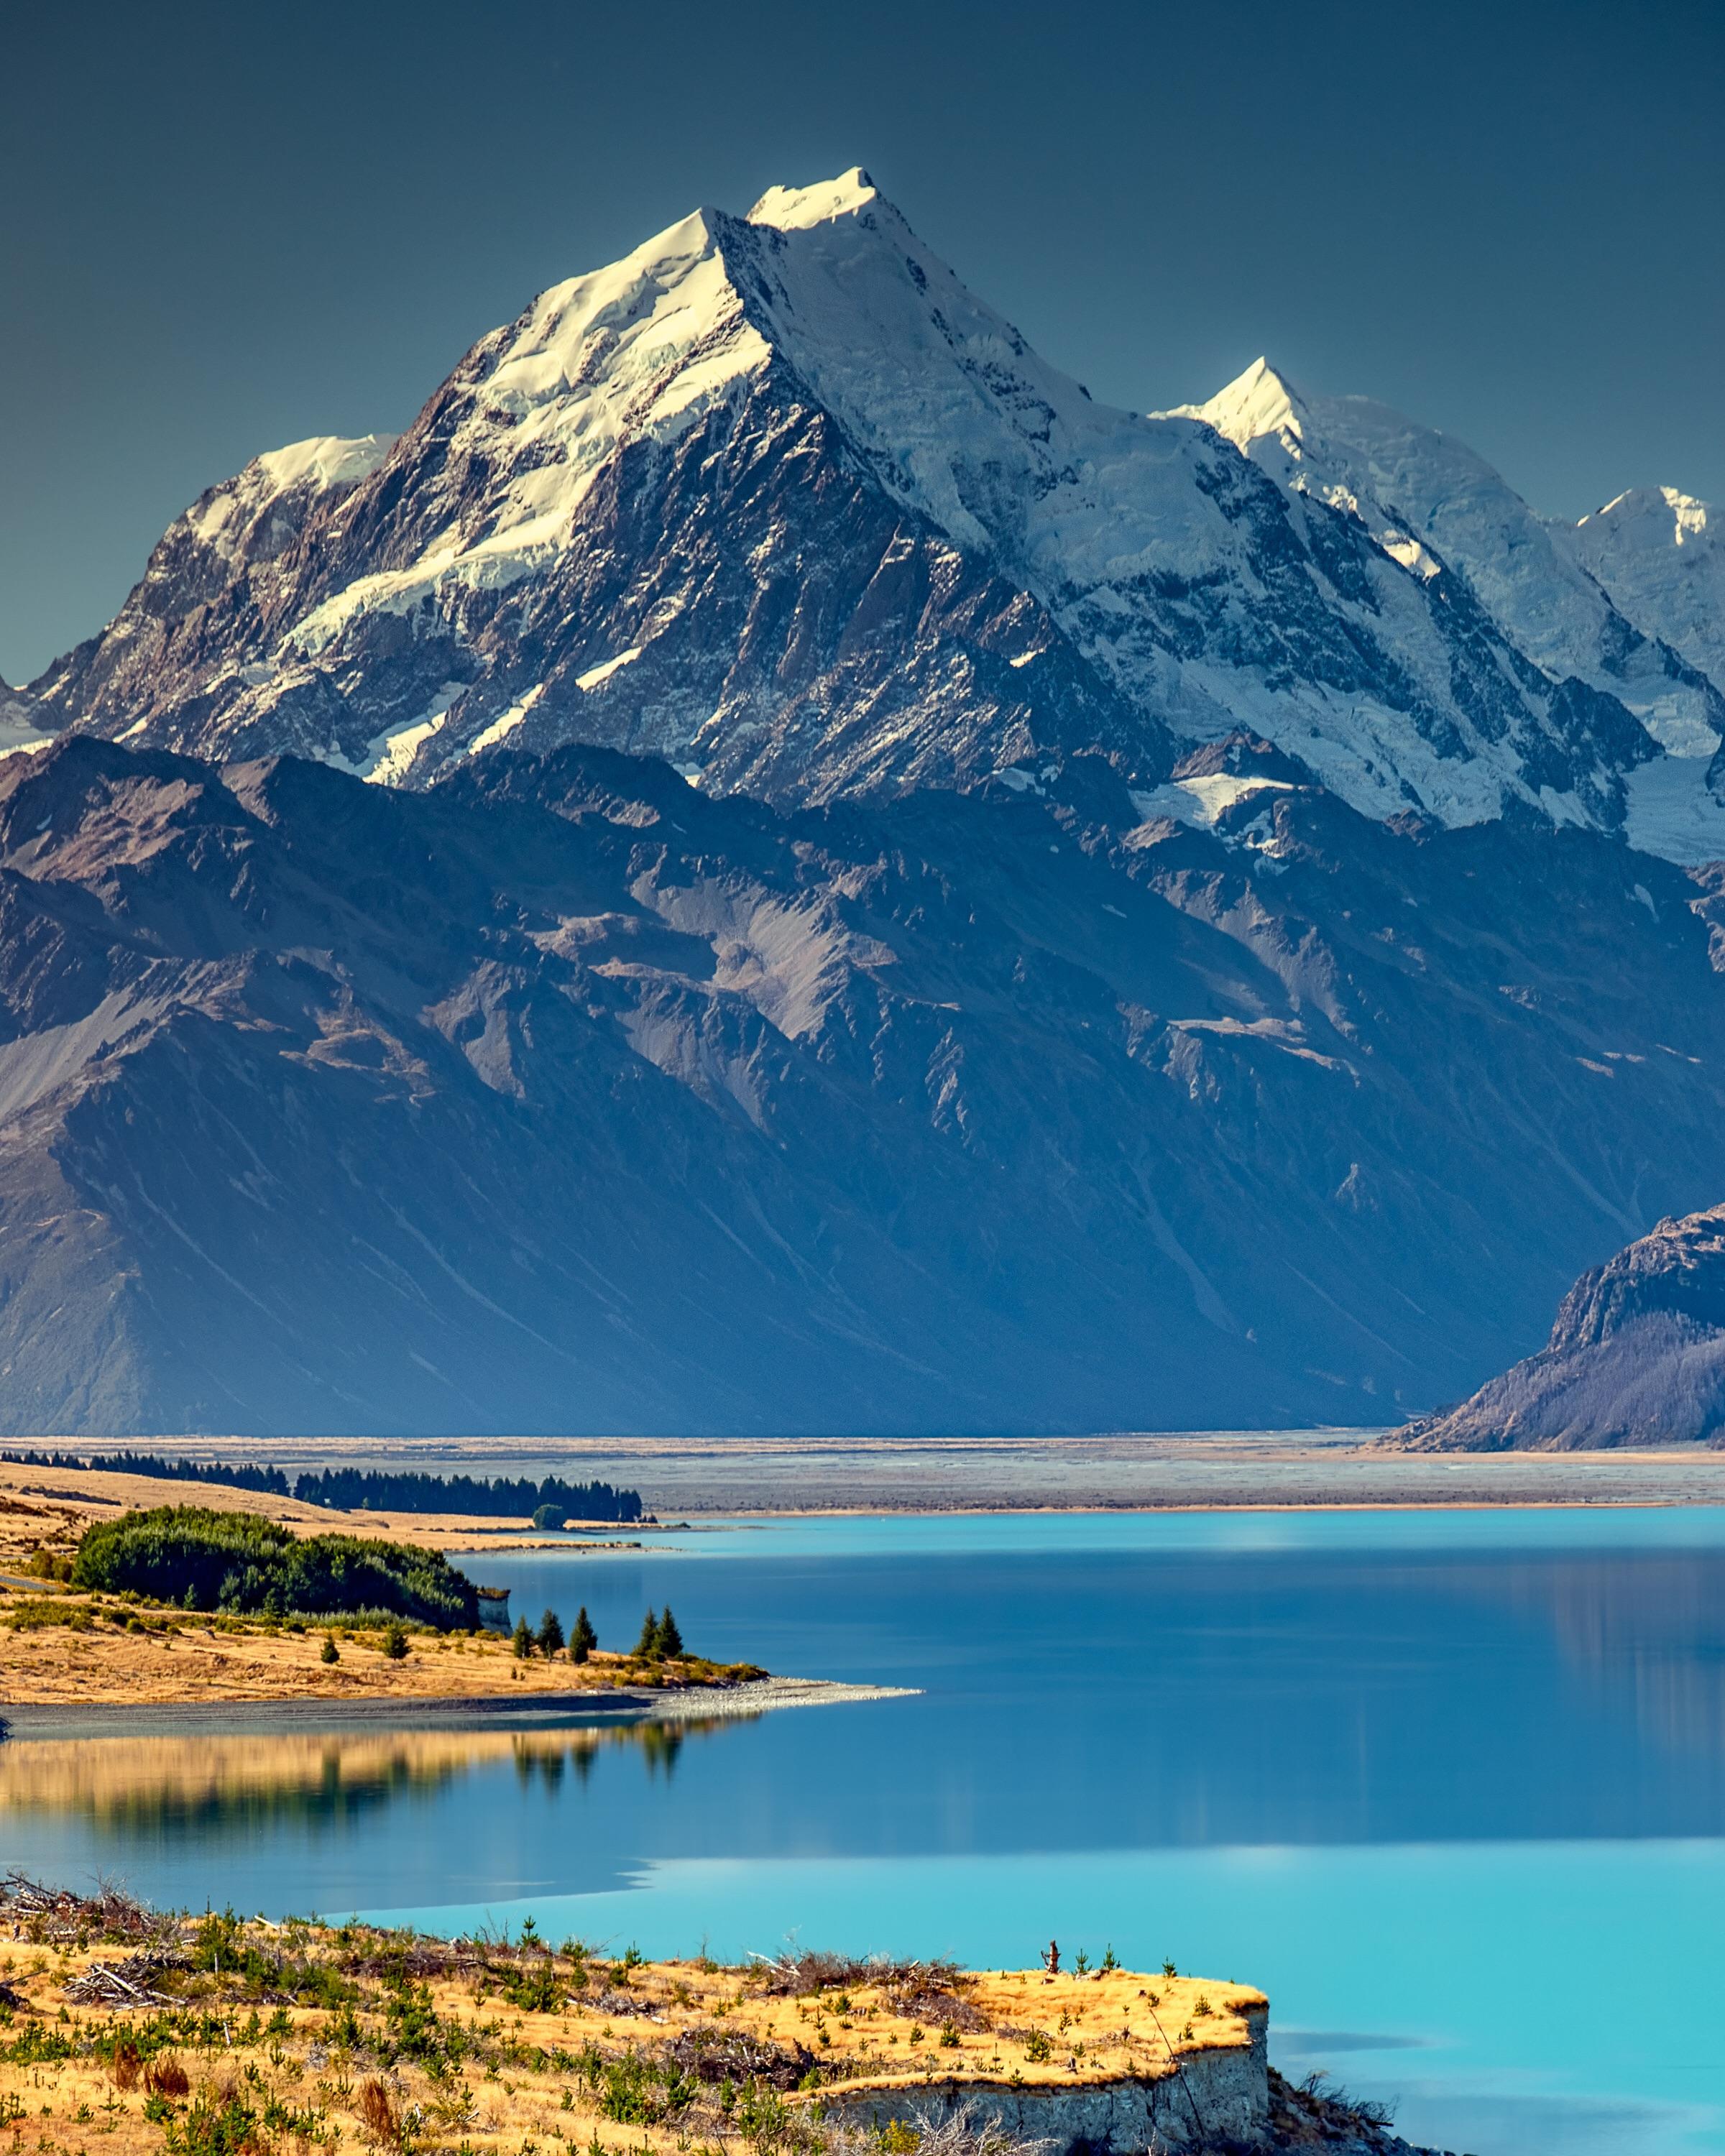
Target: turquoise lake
(1450,1786)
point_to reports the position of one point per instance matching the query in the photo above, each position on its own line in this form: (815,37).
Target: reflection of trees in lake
(239,1785)
(1649,1623)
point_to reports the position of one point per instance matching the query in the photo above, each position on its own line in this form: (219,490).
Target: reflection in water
(1360,1771)
(1645,1628)
(224,1785)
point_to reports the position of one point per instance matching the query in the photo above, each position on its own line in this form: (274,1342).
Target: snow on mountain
(210,565)
(775,497)
(1661,556)
(1431,502)
(21,725)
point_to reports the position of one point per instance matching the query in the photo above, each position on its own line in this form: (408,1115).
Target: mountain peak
(795,209)
(1677,519)
(1260,401)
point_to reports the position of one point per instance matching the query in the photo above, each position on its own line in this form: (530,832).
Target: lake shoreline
(44,1721)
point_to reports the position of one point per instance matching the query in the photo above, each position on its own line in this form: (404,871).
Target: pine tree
(670,1639)
(647,1645)
(583,1639)
(521,1640)
(331,1652)
(551,1636)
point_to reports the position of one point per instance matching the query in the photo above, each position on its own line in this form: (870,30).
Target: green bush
(215,2126)
(233,1562)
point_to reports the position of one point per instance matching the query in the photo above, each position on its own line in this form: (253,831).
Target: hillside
(1636,1356)
(564,1098)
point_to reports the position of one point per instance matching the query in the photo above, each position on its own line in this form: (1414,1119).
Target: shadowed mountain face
(1637,1357)
(563,1097)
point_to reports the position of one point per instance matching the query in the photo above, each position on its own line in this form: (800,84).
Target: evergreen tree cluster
(360,1490)
(268,1482)
(235,1562)
(660,1639)
(354,1490)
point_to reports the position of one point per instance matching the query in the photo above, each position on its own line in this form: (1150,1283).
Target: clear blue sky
(227,228)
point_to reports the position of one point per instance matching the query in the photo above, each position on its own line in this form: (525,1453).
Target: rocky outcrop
(1219,2101)
(1213,2098)
(1636,1356)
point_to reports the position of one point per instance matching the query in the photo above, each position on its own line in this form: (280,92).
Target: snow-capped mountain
(778,499)
(1660,556)
(1435,506)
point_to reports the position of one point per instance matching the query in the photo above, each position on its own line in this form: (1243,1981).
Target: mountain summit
(778,499)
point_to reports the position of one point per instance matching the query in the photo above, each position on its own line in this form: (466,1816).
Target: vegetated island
(182,1603)
(168,2035)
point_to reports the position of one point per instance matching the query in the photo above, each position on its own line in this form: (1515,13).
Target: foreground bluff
(564,1097)
(1636,1356)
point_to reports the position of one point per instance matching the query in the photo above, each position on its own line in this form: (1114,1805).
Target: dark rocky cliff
(1636,1356)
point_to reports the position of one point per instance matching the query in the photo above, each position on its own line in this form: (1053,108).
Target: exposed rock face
(1636,1356)
(1222,2102)
(1217,2101)
(777,499)
(563,1097)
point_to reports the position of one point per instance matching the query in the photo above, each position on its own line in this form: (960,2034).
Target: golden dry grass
(44,1507)
(65,1649)
(494,2067)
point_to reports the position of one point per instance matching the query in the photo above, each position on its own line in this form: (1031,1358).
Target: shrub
(165,2077)
(217,2124)
(329,1652)
(233,1562)
(395,1643)
(124,2066)
(376,2113)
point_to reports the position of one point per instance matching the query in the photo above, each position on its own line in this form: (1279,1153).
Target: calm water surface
(1451,1787)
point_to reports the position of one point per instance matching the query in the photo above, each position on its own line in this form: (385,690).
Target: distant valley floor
(1217,1469)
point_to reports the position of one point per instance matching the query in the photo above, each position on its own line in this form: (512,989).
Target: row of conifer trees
(661,1639)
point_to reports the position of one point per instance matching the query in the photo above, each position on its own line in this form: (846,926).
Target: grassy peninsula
(184,1603)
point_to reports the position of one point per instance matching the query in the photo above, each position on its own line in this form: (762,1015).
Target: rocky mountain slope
(1103,920)
(563,1096)
(777,499)
(1636,1356)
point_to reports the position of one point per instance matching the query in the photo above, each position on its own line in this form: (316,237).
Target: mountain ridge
(564,1097)
(776,498)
